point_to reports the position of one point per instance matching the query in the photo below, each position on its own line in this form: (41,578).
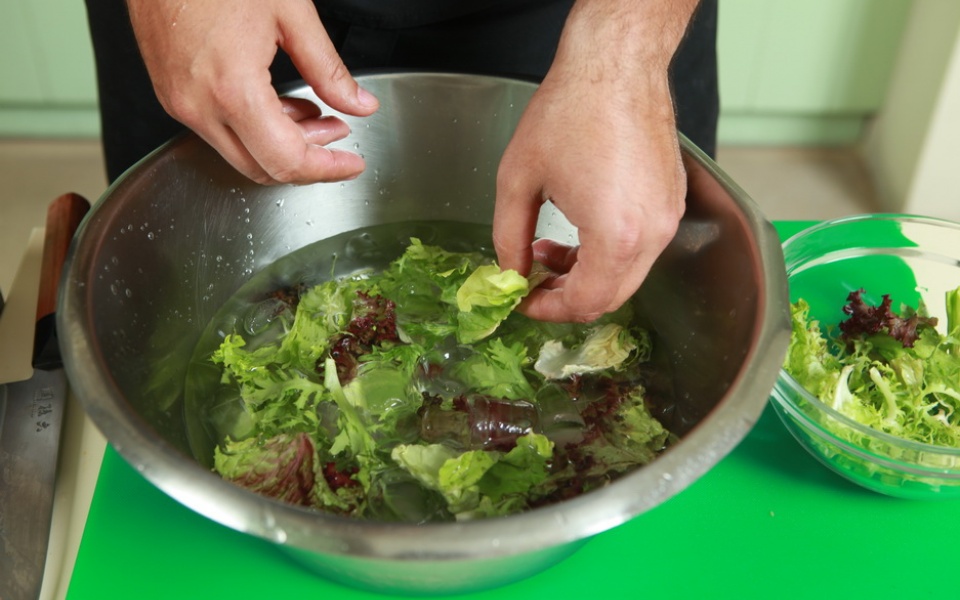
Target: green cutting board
(767,522)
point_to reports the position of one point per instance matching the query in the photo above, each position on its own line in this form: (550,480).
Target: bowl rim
(794,385)
(573,520)
(865,217)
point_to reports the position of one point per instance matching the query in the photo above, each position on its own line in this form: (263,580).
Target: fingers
(299,109)
(273,141)
(598,276)
(616,177)
(557,257)
(288,146)
(316,59)
(514,225)
(211,72)
(584,291)
(317,128)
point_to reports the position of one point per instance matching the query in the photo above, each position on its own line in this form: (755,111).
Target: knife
(31,415)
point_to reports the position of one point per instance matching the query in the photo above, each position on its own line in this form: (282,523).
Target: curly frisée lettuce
(891,371)
(418,394)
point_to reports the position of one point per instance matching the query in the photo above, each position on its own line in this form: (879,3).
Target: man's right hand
(209,62)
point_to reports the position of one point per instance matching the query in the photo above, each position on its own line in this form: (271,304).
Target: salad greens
(419,394)
(893,372)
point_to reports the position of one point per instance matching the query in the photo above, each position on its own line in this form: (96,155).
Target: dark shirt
(393,14)
(507,37)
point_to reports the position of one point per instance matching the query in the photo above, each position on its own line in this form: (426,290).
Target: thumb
(306,41)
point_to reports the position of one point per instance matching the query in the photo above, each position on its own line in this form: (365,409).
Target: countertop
(767,521)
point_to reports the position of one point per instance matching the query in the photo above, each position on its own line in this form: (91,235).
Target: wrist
(630,38)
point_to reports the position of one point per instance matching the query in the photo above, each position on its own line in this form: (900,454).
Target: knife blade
(31,417)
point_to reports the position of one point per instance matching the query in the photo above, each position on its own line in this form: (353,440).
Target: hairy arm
(599,141)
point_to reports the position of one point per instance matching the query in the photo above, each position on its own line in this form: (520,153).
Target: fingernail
(366,98)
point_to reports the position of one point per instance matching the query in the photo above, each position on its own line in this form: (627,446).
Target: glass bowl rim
(868,217)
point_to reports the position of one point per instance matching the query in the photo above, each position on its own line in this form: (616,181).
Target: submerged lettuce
(418,393)
(480,483)
(605,347)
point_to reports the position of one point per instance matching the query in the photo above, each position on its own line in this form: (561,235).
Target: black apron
(397,14)
(501,37)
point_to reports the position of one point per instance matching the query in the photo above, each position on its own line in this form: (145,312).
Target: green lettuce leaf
(497,370)
(372,410)
(274,399)
(354,435)
(809,358)
(479,482)
(423,283)
(323,310)
(485,299)
(606,347)
(521,469)
(953,312)
(910,392)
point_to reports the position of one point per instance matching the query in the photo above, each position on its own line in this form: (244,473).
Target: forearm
(615,39)
(599,141)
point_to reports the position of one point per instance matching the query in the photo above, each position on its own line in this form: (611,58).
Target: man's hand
(209,62)
(599,141)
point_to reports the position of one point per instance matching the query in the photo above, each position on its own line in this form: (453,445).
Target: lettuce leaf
(479,482)
(423,282)
(497,370)
(416,392)
(606,347)
(809,358)
(902,378)
(953,312)
(485,299)
(280,467)
(274,399)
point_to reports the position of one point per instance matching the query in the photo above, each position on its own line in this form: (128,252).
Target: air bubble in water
(261,315)
(361,247)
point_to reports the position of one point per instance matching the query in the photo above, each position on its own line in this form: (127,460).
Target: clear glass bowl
(910,258)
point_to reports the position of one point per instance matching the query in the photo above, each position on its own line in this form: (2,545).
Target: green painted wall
(47,84)
(794,72)
(808,71)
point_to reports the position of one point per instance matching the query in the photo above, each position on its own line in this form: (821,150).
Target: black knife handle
(63,218)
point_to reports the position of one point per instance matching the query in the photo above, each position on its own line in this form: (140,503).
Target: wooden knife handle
(63,218)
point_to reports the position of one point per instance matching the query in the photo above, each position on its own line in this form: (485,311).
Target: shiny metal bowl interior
(170,242)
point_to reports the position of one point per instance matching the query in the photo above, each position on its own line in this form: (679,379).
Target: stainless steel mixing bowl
(170,242)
